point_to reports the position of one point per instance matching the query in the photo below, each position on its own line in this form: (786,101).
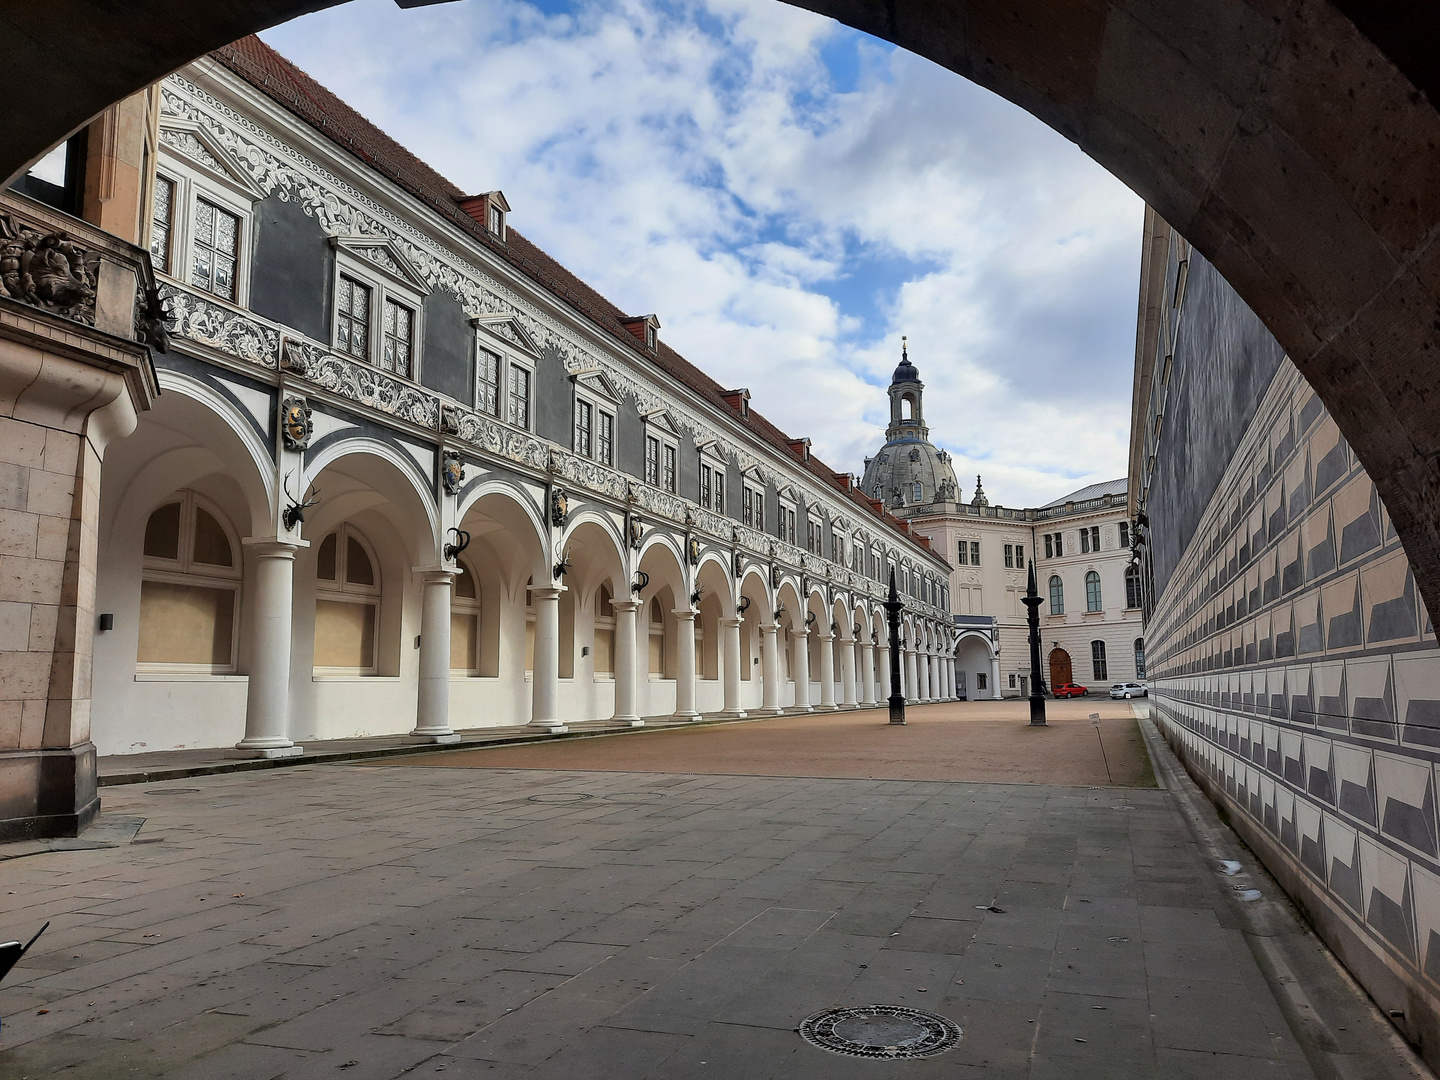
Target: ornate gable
(384,255)
(200,148)
(512,333)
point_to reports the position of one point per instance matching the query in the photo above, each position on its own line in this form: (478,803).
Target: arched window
(657,639)
(1097,661)
(189,590)
(1092,591)
(917,491)
(1057,595)
(347,604)
(465,623)
(1139,658)
(907,408)
(1132,586)
(604,632)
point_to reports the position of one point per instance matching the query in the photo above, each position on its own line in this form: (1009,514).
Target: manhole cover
(880,1031)
(561,796)
(636,797)
(171,791)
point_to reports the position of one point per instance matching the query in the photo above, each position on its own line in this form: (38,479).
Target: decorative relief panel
(590,474)
(221,328)
(47,270)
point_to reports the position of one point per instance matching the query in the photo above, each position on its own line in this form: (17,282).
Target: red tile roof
(284,83)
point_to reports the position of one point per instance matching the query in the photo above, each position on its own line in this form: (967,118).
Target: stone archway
(1061,670)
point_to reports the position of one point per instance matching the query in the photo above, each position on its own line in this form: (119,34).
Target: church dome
(909,470)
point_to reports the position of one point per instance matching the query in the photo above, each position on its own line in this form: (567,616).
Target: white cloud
(694,159)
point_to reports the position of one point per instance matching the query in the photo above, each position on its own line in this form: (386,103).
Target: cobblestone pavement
(343,921)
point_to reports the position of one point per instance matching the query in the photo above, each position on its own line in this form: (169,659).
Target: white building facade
(1090,622)
(405,474)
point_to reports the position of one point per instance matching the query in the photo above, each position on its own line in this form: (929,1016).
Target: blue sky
(789,196)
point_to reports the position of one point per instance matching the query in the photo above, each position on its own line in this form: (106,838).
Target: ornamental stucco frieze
(590,474)
(220,327)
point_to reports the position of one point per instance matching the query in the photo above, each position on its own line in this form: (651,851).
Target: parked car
(1127,690)
(1070,689)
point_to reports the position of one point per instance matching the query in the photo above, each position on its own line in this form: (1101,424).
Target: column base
(551,727)
(847,707)
(733,714)
(799,710)
(770,710)
(627,721)
(434,736)
(47,793)
(825,708)
(264,751)
(691,715)
(868,705)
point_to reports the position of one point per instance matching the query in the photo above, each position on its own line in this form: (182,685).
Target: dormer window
(650,337)
(497,220)
(646,329)
(490,210)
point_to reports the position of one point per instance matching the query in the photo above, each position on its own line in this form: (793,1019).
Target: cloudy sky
(789,196)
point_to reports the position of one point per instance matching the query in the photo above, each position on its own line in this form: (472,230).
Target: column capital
(732,620)
(625,605)
(273,547)
(799,631)
(437,573)
(545,592)
(685,614)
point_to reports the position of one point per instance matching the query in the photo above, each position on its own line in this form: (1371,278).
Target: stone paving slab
(342,921)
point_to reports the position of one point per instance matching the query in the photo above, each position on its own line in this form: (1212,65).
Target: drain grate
(880,1031)
(560,797)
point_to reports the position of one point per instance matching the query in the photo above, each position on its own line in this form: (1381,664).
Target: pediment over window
(199,147)
(385,257)
(509,331)
(596,383)
(661,419)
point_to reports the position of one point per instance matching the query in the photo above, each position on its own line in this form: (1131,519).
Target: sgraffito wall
(1296,673)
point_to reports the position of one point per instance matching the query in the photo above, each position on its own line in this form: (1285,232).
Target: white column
(882,674)
(995,676)
(545,710)
(867,675)
(731,629)
(625,662)
(770,670)
(800,669)
(910,679)
(848,699)
(685,673)
(267,699)
(932,665)
(827,672)
(432,708)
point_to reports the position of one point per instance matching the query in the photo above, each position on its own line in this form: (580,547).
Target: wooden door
(1060,670)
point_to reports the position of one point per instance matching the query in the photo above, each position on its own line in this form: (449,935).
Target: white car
(1127,690)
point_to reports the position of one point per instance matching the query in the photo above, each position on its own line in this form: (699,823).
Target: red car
(1070,689)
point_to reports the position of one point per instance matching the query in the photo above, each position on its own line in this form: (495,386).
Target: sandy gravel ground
(982,741)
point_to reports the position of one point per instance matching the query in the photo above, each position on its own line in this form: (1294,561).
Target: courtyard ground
(500,918)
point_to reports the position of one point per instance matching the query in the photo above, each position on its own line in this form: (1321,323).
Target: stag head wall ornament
(460,543)
(295,423)
(562,567)
(638,585)
(452,472)
(692,551)
(743,606)
(294,514)
(696,596)
(559,507)
(809,618)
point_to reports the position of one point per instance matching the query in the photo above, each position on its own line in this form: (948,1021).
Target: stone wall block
(11,715)
(24,675)
(52,537)
(14,486)
(30,581)
(19,533)
(42,627)
(32,724)
(15,629)
(22,444)
(51,493)
(62,451)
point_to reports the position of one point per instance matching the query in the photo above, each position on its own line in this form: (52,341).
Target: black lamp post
(893,607)
(1032,602)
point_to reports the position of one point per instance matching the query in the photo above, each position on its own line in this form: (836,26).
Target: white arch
(239,425)
(516,493)
(594,517)
(361,445)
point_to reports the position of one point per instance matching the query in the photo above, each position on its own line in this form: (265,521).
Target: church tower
(907,414)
